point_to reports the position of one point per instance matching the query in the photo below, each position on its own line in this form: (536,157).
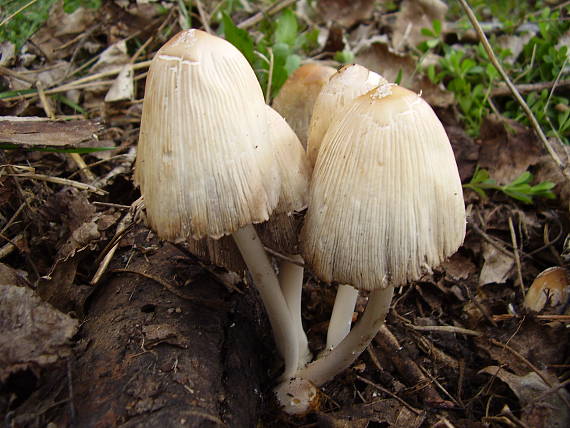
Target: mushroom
(298,94)
(348,83)
(281,231)
(385,201)
(205,163)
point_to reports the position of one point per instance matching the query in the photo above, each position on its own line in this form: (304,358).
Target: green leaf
(399,76)
(344,57)
(286,29)
(525,178)
(239,38)
(70,6)
(437,27)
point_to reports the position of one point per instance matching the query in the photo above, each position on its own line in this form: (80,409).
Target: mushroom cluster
(384,199)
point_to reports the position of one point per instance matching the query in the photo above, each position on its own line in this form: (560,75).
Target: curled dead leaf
(33,332)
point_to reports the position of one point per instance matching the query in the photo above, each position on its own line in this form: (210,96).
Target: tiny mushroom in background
(549,289)
(385,201)
(298,94)
(205,163)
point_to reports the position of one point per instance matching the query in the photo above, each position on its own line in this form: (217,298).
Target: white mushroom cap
(282,230)
(385,194)
(205,163)
(298,94)
(292,162)
(349,82)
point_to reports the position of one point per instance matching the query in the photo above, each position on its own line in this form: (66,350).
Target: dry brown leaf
(11,276)
(507,149)
(123,87)
(61,27)
(542,345)
(386,411)
(458,267)
(113,58)
(33,332)
(497,267)
(378,58)
(412,17)
(345,12)
(543,405)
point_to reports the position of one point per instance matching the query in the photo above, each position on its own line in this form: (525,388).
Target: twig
(522,359)
(271,10)
(7,72)
(446,329)
(513,89)
(84,82)
(528,87)
(62,181)
(11,245)
(9,18)
(517,257)
(506,317)
(123,225)
(269,76)
(391,394)
(283,257)
(203,17)
(440,386)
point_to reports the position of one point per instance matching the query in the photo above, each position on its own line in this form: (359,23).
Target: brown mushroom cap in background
(298,94)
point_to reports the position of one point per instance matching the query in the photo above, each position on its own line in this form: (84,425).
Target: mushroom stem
(266,282)
(341,317)
(347,351)
(291,280)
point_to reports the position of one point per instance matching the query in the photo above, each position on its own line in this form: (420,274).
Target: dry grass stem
(62,181)
(391,394)
(271,10)
(517,256)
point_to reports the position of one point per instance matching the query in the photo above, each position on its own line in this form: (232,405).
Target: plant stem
(341,357)
(341,317)
(266,282)
(291,280)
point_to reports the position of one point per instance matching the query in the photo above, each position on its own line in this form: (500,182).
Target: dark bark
(163,356)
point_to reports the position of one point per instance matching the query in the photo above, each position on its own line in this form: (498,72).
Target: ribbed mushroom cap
(385,194)
(349,82)
(298,94)
(282,230)
(205,163)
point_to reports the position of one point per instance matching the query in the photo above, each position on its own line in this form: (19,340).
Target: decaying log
(151,357)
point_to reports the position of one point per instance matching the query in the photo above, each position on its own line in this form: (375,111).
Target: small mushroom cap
(385,195)
(205,164)
(349,82)
(298,94)
(292,162)
(282,230)
(550,286)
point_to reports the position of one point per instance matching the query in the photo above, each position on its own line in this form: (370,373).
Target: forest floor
(103,325)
